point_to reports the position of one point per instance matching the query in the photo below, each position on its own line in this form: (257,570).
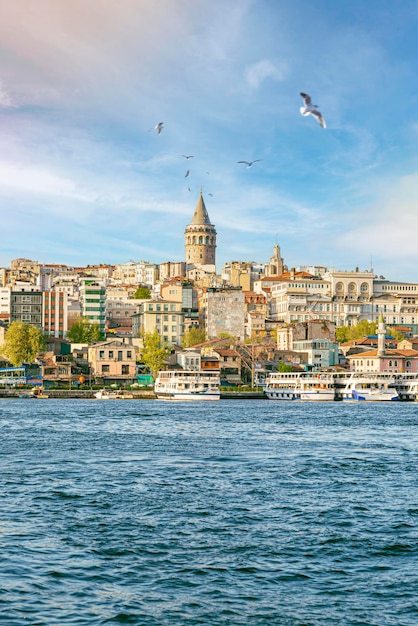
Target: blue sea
(226,513)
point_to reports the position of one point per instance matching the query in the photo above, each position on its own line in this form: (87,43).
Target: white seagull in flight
(311,109)
(158,128)
(249,163)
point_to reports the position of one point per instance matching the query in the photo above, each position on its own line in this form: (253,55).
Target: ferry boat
(375,387)
(407,386)
(187,385)
(282,386)
(316,387)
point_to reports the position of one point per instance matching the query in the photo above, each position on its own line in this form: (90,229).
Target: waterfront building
(176,290)
(384,359)
(55,313)
(167,318)
(119,312)
(22,270)
(5,302)
(222,310)
(26,306)
(315,339)
(171,269)
(136,273)
(230,363)
(93,301)
(112,362)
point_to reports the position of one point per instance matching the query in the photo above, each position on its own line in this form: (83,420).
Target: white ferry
(282,386)
(407,386)
(316,387)
(300,386)
(187,385)
(376,387)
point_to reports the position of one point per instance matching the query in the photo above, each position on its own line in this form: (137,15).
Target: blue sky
(83,181)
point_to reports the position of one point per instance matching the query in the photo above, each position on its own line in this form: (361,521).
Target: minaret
(200,238)
(381,334)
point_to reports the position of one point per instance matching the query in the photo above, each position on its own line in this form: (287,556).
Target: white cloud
(388,228)
(258,72)
(6,100)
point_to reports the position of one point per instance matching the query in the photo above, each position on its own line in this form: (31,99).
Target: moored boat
(316,387)
(282,386)
(371,387)
(105,394)
(407,386)
(187,385)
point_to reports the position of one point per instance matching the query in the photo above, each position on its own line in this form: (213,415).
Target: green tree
(399,336)
(21,343)
(349,333)
(85,331)
(154,352)
(142,293)
(282,367)
(194,336)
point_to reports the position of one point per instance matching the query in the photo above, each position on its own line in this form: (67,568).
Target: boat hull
(188,397)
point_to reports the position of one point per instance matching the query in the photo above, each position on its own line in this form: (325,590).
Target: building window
(110,354)
(105,369)
(101,354)
(125,370)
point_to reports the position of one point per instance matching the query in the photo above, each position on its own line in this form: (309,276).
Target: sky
(85,178)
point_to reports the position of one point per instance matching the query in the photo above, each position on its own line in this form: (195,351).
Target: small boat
(39,394)
(374,387)
(105,394)
(187,385)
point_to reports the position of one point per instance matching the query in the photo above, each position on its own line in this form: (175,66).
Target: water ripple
(236,513)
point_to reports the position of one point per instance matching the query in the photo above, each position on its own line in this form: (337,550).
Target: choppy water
(237,512)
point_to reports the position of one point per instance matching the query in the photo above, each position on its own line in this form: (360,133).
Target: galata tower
(200,238)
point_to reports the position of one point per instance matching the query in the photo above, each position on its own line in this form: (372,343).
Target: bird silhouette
(188,156)
(187,174)
(249,163)
(311,109)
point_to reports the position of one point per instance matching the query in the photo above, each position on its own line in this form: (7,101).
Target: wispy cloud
(258,72)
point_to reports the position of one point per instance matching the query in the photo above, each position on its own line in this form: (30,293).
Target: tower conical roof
(201,215)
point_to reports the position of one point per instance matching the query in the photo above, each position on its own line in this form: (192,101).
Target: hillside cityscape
(288,316)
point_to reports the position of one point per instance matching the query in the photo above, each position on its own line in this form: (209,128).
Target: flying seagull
(311,109)
(158,128)
(249,163)
(188,156)
(187,174)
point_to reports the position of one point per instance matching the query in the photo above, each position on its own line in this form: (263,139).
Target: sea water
(231,512)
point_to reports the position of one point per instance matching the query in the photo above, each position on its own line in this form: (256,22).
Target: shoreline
(88,394)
